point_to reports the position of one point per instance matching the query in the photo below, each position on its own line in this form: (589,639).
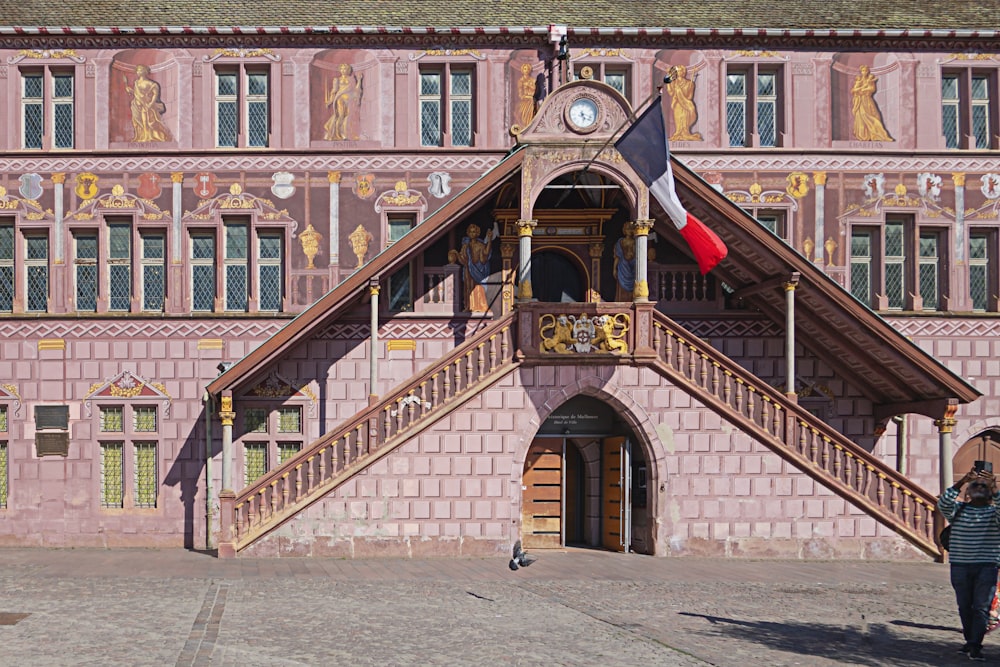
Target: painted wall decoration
(284,186)
(343,100)
(340,105)
(364,185)
(31,186)
(990,186)
(868,124)
(143,98)
(360,239)
(874,186)
(929,185)
(146,106)
(440,184)
(204,184)
(310,239)
(681,91)
(149,186)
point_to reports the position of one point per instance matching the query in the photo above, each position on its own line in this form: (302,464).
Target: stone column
(961,296)
(373,291)
(524,228)
(334,178)
(226,415)
(640,293)
(819,178)
(790,336)
(945,427)
(59,183)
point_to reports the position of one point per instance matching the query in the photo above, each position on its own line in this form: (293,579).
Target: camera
(983,466)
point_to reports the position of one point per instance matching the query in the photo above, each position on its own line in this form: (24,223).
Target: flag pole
(667,78)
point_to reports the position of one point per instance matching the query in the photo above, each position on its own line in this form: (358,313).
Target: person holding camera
(974,550)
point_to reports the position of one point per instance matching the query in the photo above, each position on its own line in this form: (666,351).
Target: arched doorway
(983,447)
(585,482)
(556,278)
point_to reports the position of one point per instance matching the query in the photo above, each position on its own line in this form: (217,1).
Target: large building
(373,278)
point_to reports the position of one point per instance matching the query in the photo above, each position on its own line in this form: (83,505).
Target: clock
(582,114)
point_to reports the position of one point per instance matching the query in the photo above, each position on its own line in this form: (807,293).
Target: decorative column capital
(59,178)
(524,227)
(333,176)
(946,425)
(642,227)
(958,178)
(819,177)
(374,290)
(177,177)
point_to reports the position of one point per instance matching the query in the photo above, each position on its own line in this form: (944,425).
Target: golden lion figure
(562,335)
(606,338)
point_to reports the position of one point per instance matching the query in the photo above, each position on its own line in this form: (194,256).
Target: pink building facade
(237,310)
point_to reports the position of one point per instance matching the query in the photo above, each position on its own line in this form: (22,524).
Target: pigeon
(521,557)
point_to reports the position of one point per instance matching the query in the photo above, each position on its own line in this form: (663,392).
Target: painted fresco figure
(867,118)
(525,96)
(147,108)
(475,260)
(624,265)
(681,91)
(341,96)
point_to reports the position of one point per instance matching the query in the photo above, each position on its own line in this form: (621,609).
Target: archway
(556,278)
(983,447)
(584,482)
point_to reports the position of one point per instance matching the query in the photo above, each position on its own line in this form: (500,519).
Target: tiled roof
(823,15)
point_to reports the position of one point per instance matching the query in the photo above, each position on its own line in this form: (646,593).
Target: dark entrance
(555,278)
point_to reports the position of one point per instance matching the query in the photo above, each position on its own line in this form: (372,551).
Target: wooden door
(614,494)
(542,495)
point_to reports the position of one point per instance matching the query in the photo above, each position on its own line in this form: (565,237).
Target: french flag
(644,147)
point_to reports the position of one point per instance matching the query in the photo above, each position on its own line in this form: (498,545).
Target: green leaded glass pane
(145,419)
(255,455)
(86,247)
(430,83)
(977,247)
(290,420)
(894,240)
(461,83)
(112,487)
(145,474)
(287,450)
(861,245)
(929,285)
(236,241)
(766,84)
(949,87)
(38,247)
(980,88)
(257,83)
(203,247)
(255,420)
(736,84)
(119,241)
(227,84)
(3,474)
(112,420)
(3,418)
(6,242)
(928,246)
(894,284)
(977,286)
(861,281)
(270,247)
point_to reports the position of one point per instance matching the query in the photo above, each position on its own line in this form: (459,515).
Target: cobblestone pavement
(575,607)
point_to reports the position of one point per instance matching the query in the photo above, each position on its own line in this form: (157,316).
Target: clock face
(583,113)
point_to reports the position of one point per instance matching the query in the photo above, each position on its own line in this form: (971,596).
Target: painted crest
(440,183)
(874,186)
(364,186)
(798,184)
(204,184)
(283,187)
(991,186)
(86,185)
(149,186)
(929,185)
(31,186)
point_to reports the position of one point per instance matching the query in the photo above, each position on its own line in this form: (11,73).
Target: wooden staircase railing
(799,437)
(371,434)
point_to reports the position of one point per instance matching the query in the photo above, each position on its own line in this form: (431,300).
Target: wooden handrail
(796,435)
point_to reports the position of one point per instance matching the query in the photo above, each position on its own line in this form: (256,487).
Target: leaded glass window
(446,106)
(62,120)
(255,461)
(767,108)
(287,450)
(269,269)
(85,265)
(461,108)
(37,268)
(979,270)
(242,107)
(6,268)
(398,227)
(257,109)
(144,419)
(736,108)
(928,270)
(255,420)
(226,109)
(119,267)
(236,267)
(32,109)
(981,111)
(401,290)
(146,480)
(153,271)
(861,266)
(290,420)
(950,111)
(112,474)
(3,474)
(202,272)
(895,265)
(430,108)
(112,420)
(3,419)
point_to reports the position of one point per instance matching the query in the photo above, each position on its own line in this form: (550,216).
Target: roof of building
(911,15)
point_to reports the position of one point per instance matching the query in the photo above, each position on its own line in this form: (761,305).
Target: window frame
(275,442)
(27,236)
(51,104)
(129,439)
(600,70)
(244,99)
(965,104)
(752,98)
(989,267)
(446,100)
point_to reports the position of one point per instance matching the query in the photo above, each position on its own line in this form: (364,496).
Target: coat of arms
(874,186)
(31,186)
(283,187)
(440,183)
(204,184)
(149,186)
(86,185)
(929,185)
(364,186)
(991,186)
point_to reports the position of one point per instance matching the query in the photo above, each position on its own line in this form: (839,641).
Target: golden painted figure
(867,118)
(342,96)
(681,91)
(475,260)
(525,96)
(147,109)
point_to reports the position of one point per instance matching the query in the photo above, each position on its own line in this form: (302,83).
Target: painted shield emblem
(991,186)
(149,186)
(31,186)
(929,185)
(440,183)
(283,187)
(204,184)
(86,185)
(364,187)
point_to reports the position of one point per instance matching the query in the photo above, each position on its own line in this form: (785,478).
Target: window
(616,75)
(400,288)
(6,268)
(398,227)
(773,221)
(46,109)
(269,435)
(269,271)
(982,270)
(234,278)
(898,266)
(203,272)
(119,267)
(153,270)
(446,109)
(968,117)
(129,442)
(242,113)
(85,271)
(36,266)
(753,112)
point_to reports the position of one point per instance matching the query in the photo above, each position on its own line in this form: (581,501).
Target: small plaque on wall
(51,416)
(52,444)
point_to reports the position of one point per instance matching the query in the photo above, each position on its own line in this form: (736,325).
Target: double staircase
(738,396)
